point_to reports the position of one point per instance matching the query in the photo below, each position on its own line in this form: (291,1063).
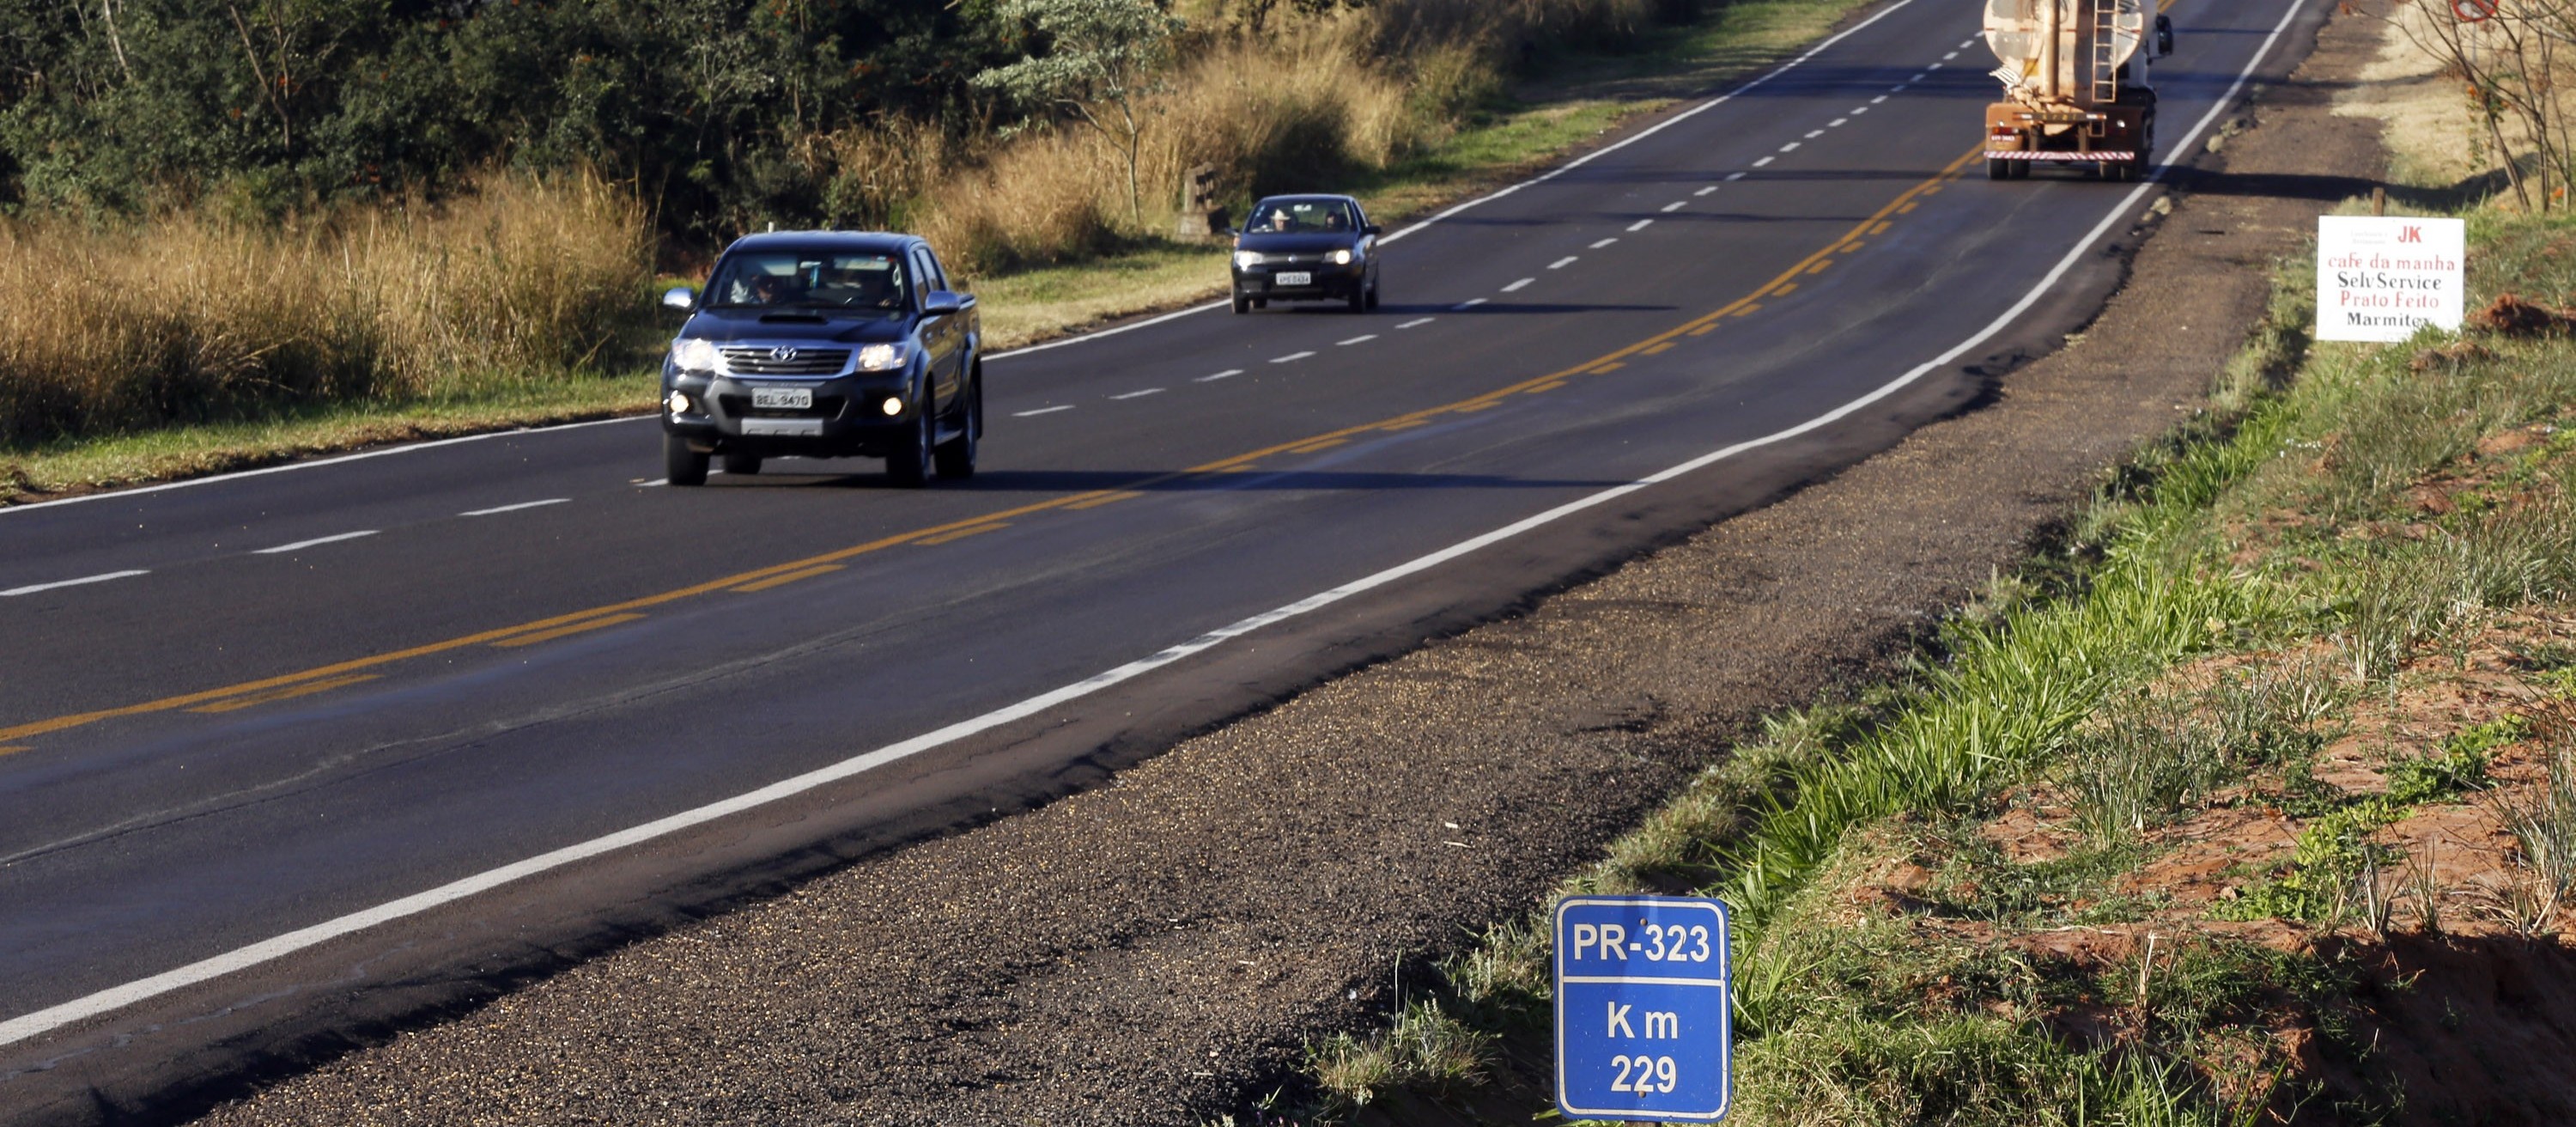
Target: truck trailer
(2076,85)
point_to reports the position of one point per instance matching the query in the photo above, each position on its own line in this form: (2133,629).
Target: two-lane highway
(265,732)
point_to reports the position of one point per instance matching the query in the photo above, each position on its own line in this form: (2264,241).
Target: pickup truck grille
(799,361)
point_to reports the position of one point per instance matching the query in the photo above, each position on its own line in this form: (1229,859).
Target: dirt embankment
(1156,951)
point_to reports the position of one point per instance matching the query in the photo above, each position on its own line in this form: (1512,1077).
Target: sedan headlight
(694,355)
(1247,259)
(1341,258)
(881,358)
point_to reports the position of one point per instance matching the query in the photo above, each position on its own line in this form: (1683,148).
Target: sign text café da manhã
(2383,278)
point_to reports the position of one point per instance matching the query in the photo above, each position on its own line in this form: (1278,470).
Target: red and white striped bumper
(2112,156)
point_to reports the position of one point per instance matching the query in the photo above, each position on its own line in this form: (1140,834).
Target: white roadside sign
(2381,279)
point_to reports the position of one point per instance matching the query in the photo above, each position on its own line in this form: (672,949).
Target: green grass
(2064,678)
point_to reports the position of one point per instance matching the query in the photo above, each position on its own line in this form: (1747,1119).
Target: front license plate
(783,398)
(1292,278)
(782,426)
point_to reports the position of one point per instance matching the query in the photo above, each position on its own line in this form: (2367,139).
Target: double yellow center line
(322,678)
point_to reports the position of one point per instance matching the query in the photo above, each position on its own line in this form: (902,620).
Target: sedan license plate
(1292,278)
(783,398)
(783,426)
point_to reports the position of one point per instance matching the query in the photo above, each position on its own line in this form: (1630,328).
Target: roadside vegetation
(238,233)
(2249,798)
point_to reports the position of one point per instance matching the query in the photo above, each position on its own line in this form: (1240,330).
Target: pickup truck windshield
(789,279)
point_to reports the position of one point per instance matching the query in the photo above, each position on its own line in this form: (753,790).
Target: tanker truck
(2076,90)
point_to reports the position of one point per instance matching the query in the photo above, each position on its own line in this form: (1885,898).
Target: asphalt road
(346,698)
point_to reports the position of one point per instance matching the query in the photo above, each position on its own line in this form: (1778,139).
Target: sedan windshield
(1301,217)
(805,280)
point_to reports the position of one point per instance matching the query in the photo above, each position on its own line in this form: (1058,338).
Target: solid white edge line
(361,456)
(32,588)
(1551,174)
(513,508)
(1042,411)
(316,541)
(55,1017)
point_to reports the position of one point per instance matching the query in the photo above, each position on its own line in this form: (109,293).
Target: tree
(1103,58)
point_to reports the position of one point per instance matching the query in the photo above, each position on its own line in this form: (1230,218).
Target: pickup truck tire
(908,464)
(741,465)
(955,458)
(681,465)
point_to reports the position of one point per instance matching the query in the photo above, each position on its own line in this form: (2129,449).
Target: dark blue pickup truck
(824,344)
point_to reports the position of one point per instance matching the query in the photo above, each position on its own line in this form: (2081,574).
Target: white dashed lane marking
(1220,375)
(318,540)
(1293,356)
(1791,147)
(1735,177)
(32,588)
(1878,99)
(1564,262)
(1139,394)
(1812,134)
(1705,191)
(513,508)
(1676,205)
(1470,303)
(1605,242)
(1839,122)
(1639,225)
(1039,411)
(1764,161)
(1417,322)
(1357,340)
(1516,286)
(1950,56)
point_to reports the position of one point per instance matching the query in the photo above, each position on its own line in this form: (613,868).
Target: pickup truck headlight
(1247,259)
(1341,258)
(882,357)
(694,355)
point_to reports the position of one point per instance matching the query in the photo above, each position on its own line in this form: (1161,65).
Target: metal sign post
(1644,1018)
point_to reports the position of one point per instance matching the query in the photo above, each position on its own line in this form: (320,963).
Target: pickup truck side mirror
(681,298)
(941,303)
(2164,36)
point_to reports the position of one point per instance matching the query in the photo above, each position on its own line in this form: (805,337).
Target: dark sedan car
(1306,248)
(824,344)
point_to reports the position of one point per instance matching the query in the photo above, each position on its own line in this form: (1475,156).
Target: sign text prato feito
(2382,279)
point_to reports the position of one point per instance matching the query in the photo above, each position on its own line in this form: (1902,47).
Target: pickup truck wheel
(1242,304)
(955,458)
(1373,284)
(908,464)
(1359,298)
(741,465)
(681,465)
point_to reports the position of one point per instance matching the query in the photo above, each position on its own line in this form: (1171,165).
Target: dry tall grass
(182,318)
(1296,105)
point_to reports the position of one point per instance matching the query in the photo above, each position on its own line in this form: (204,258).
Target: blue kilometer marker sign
(1644,1025)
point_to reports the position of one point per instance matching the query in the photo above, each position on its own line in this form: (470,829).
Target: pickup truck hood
(725,326)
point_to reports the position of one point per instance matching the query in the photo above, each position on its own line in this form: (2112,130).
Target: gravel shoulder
(1156,949)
